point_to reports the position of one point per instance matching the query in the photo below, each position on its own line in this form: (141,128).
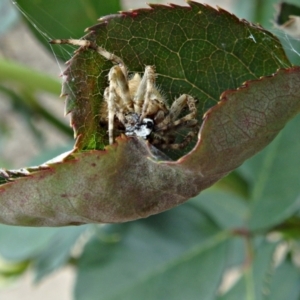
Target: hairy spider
(137,105)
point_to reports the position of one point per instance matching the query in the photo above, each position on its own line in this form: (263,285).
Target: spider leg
(139,96)
(145,90)
(166,142)
(110,97)
(183,144)
(91,45)
(175,110)
(118,80)
(165,131)
(118,98)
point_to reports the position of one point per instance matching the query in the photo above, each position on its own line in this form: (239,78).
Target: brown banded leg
(167,142)
(175,110)
(159,139)
(187,139)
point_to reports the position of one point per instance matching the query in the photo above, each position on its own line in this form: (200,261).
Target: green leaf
(196,50)
(252,283)
(274,174)
(177,255)
(48,19)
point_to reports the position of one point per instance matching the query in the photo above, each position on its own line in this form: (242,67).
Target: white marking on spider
(135,127)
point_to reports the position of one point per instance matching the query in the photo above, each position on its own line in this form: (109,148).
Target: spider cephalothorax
(136,107)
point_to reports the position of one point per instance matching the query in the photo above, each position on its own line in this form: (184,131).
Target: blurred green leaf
(234,183)
(21,86)
(50,19)
(237,253)
(284,283)
(254,277)
(23,76)
(226,209)
(23,243)
(18,104)
(176,255)
(27,105)
(243,9)
(8,270)
(275,181)
(8,16)
(49,153)
(57,252)
(289,228)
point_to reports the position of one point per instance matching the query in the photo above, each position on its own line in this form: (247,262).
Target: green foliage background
(240,223)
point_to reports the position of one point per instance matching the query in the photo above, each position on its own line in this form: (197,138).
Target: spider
(137,107)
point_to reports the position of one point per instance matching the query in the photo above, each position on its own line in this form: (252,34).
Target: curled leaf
(196,50)
(125,182)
